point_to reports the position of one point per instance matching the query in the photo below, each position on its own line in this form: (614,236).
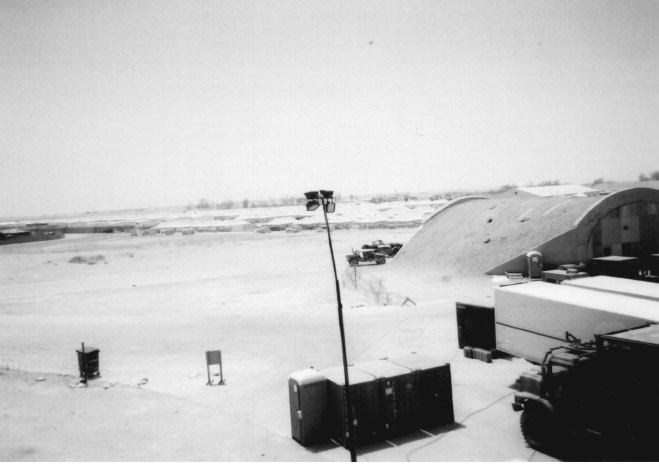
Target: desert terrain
(154,304)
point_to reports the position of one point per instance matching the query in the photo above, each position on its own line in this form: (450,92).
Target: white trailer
(629,287)
(534,317)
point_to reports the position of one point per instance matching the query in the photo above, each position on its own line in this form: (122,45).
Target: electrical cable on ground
(441,436)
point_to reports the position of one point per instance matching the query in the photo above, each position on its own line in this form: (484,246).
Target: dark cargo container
(434,389)
(475,326)
(308,401)
(614,265)
(365,399)
(398,396)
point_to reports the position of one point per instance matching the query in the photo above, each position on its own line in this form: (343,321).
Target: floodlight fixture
(327,194)
(312,205)
(311,195)
(330,206)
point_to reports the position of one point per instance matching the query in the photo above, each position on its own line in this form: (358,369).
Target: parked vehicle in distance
(366,257)
(389,250)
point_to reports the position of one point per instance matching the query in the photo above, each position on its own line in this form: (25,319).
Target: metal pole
(346,388)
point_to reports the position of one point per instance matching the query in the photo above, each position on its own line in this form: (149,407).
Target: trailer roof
(648,335)
(629,287)
(615,303)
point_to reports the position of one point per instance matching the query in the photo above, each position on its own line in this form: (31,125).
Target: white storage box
(532,318)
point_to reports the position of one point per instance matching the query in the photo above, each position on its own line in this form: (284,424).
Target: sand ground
(154,305)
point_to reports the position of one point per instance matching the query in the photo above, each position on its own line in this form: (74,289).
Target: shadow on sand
(391,442)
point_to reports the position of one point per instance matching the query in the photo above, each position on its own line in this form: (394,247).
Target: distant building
(564,190)
(493,234)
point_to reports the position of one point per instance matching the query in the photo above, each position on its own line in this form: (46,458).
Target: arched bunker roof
(475,235)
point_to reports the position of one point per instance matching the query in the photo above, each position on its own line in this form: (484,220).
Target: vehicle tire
(380,261)
(540,429)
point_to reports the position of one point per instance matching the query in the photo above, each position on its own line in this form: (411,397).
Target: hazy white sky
(116,104)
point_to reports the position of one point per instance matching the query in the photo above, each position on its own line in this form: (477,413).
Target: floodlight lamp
(330,207)
(312,195)
(312,205)
(327,194)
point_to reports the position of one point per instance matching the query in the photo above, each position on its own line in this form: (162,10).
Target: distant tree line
(654,176)
(555,182)
(205,204)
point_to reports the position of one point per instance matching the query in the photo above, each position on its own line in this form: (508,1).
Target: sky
(108,104)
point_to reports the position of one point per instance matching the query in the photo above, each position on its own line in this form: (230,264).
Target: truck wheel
(540,430)
(380,261)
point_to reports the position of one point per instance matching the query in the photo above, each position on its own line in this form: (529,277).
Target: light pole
(314,200)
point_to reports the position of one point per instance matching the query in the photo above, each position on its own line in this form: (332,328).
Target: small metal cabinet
(308,402)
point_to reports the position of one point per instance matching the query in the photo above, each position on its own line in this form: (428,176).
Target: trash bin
(88,362)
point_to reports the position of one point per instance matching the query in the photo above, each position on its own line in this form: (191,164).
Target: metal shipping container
(398,396)
(534,317)
(434,389)
(614,265)
(365,399)
(308,402)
